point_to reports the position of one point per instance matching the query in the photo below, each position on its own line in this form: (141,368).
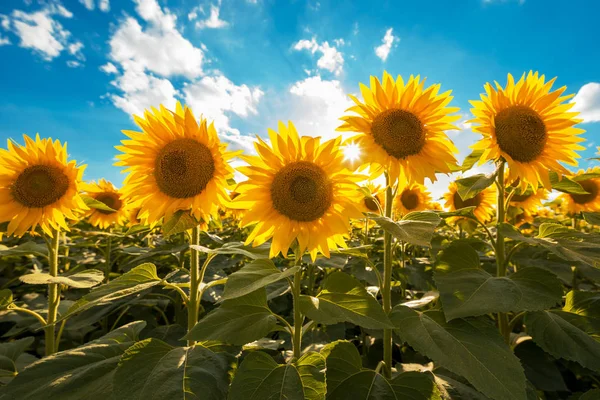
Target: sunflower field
(329,272)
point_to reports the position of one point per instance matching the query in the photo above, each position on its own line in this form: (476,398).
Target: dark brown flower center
(460,203)
(399,132)
(589,186)
(111,199)
(183,168)
(302,191)
(40,185)
(410,200)
(371,204)
(520,133)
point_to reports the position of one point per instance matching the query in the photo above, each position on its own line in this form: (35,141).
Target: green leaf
(153,369)
(592,218)
(467,290)
(181,221)
(540,368)
(25,249)
(559,334)
(235,248)
(463,212)
(79,280)
(471,186)
(237,321)
(253,276)
(85,372)
(471,160)
(138,279)
(585,304)
(311,367)
(97,204)
(10,352)
(454,390)
(565,184)
(259,377)
(415,227)
(557,241)
(346,379)
(593,394)
(6,298)
(586,176)
(344,298)
(471,348)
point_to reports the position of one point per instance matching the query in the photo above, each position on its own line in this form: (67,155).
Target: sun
(39,187)
(106,193)
(351,152)
(401,128)
(529,126)
(298,189)
(175,163)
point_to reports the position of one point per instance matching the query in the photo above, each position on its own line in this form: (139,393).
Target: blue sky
(76,70)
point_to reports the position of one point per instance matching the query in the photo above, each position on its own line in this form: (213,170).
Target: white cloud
(213,21)
(89,4)
(74,64)
(331,59)
(317,105)
(109,68)
(587,102)
(39,30)
(193,14)
(214,96)
(355,29)
(75,50)
(383,51)
(339,42)
(104,5)
(4,41)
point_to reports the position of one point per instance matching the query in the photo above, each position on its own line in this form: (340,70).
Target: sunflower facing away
(529,126)
(38,186)
(529,200)
(575,203)
(483,202)
(412,197)
(298,188)
(106,193)
(175,163)
(402,128)
(377,195)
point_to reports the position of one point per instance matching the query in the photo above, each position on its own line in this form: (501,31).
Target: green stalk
(386,286)
(194,302)
(500,249)
(107,257)
(53,294)
(298,317)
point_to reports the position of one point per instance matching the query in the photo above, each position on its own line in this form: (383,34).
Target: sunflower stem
(386,287)
(53,293)
(107,258)
(298,317)
(500,249)
(194,282)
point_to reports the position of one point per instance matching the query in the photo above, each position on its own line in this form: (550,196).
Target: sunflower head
(38,186)
(106,193)
(529,126)
(411,197)
(483,202)
(575,203)
(528,200)
(374,200)
(298,189)
(401,128)
(175,163)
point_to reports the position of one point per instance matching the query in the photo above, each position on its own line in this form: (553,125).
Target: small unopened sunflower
(412,197)
(38,186)
(106,193)
(529,126)
(575,203)
(298,188)
(376,199)
(175,163)
(483,202)
(402,128)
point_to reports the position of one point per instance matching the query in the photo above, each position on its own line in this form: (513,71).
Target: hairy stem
(53,293)
(193,301)
(298,317)
(386,287)
(500,249)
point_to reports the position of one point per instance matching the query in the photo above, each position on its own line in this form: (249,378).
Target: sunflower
(519,216)
(412,197)
(529,200)
(298,188)
(38,186)
(375,199)
(575,203)
(175,164)
(132,217)
(529,126)
(106,193)
(483,202)
(402,128)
